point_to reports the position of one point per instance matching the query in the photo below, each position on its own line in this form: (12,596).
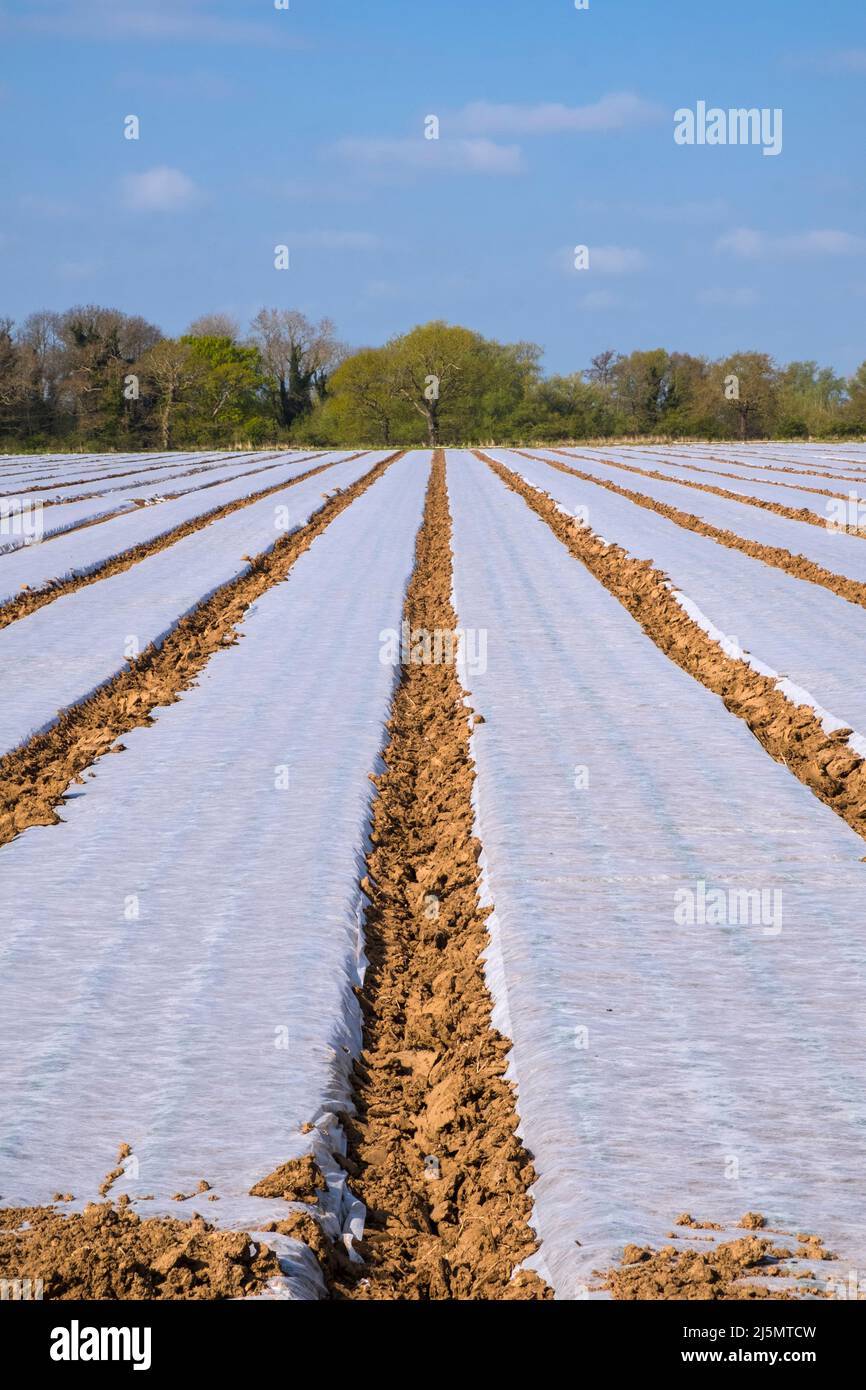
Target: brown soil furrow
(782,460)
(169,496)
(34,778)
(795,472)
(722,473)
(32,599)
(791,734)
(725,1271)
(792,513)
(432,1148)
(800,566)
(109,1252)
(791,470)
(44,483)
(77,526)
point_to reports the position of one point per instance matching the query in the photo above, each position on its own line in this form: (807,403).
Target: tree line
(98,379)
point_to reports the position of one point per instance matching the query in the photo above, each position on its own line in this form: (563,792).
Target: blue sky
(306,127)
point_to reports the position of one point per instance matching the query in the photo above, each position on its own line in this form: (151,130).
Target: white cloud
(613,112)
(147,20)
(828,61)
(692,213)
(335,188)
(743,242)
(600,299)
(384,289)
(159,190)
(75,271)
(604,260)
(848,60)
(339,241)
(432,156)
(616,260)
(727,298)
(42,206)
(749,244)
(207,85)
(826,242)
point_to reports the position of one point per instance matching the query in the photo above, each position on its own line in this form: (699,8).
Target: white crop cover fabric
(653,1059)
(59,654)
(65,553)
(782,625)
(198,912)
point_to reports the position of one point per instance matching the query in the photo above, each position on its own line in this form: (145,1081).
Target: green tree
(854,410)
(174,372)
(685,404)
(744,389)
(810,399)
(436,367)
(225,404)
(363,402)
(99,348)
(641,383)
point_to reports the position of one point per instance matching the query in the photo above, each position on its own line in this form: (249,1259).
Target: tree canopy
(97,378)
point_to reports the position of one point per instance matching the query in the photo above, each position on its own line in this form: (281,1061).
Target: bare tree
(298,356)
(602,368)
(97,347)
(40,338)
(173,370)
(214,326)
(13,385)
(8,362)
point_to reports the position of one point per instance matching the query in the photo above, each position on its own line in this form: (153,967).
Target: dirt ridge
(432,1148)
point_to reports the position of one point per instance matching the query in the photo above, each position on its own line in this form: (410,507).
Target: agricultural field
(434,874)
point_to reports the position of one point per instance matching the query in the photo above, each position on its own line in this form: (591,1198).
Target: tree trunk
(285,407)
